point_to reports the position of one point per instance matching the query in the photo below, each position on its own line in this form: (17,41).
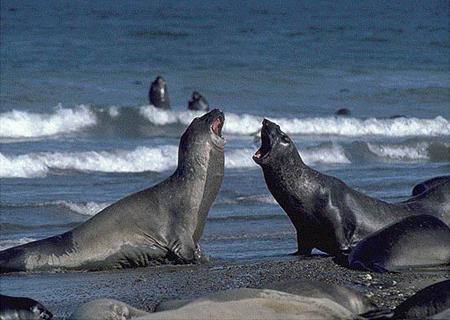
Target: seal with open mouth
(328,214)
(161,224)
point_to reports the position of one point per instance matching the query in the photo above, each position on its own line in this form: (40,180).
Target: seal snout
(265,148)
(217,122)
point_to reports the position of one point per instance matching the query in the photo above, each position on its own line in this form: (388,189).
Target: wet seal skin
(20,308)
(158,95)
(328,214)
(413,242)
(161,224)
(432,302)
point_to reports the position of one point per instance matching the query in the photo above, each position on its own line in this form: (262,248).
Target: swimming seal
(161,224)
(158,95)
(19,308)
(198,102)
(415,241)
(327,214)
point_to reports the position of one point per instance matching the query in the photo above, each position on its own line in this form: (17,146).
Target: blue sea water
(77,133)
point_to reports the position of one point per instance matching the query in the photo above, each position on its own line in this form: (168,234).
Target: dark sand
(145,287)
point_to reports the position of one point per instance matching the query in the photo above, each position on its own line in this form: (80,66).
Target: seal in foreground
(161,224)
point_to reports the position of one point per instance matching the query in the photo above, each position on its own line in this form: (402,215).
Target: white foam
(245,124)
(419,151)
(22,124)
(87,208)
(141,159)
(5,244)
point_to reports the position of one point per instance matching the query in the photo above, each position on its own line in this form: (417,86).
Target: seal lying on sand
(428,184)
(327,214)
(19,308)
(198,102)
(157,225)
(158,94)
(349,299)
(432,302)
(241,303)
(415,241)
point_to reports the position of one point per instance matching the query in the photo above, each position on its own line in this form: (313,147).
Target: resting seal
(19,308)
(415,241)
(157,225)
(432,302)
(327,214)
(158,94)
(428,184)
(198,102)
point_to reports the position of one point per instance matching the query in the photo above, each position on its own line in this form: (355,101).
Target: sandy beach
(144,288)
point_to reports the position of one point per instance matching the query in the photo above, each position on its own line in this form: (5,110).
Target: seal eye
(285,139)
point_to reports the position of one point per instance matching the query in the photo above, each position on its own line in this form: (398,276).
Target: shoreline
(144,288)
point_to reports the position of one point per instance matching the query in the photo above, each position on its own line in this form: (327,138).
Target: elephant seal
(247,303)
(106,309)
(327,214)
(198,102)
(161,224)
(344,112)
(432,302)
(19,308)
(158,94)
(349,299)
(415,241)
(428,184)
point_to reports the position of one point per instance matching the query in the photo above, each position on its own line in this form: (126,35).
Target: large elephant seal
(415,241)
(19,308)
(349,299)
(198,102)
(432,302)
(106,309)
(157,225)
(429,184)
(327,214)
(158,95)
(236,304)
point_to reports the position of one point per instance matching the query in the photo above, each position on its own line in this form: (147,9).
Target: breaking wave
(149,121)
(157,159)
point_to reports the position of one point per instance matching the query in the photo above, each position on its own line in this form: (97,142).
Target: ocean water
(77,133)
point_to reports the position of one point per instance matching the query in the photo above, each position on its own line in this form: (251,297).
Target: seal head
(158,94)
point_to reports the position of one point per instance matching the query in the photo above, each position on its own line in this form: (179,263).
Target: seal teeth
(217,127)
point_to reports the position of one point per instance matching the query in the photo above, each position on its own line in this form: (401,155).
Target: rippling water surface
(77,133)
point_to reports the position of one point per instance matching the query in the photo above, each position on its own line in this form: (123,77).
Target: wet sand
(144,288)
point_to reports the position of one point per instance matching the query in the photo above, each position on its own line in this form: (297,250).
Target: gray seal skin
(161,224)
(432,302)
(198,102)
(19,308)
(428,184)
(327,214)
(158,94)
(415,241)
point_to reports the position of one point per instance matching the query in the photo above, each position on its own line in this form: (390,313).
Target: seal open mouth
(265,148)
(217,125)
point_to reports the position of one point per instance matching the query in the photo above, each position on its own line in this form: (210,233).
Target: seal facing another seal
(327,214)
(161,224)
(158,94)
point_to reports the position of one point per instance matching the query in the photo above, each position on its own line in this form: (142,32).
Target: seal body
(198,102)
(19,308)
(158,95)
(328,214)
(161,224)
(415,241)
(428,184)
